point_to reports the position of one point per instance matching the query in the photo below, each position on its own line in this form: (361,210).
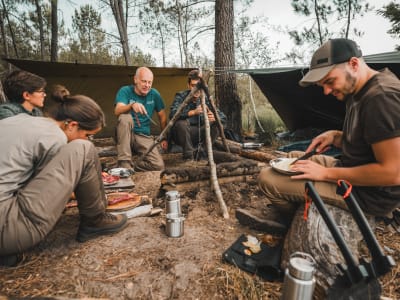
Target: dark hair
(79,108)
(18,82)
(59,91)
(193,75)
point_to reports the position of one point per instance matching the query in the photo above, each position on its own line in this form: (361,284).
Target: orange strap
(307,204)
(349,188)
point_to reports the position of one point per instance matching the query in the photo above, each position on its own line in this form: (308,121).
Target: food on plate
(109,179)
(285,164)
(253,244)
(125,200)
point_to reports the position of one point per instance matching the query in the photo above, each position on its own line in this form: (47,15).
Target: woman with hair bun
(47,159)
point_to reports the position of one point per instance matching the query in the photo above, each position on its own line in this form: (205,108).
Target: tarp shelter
(101,82)
(308,107)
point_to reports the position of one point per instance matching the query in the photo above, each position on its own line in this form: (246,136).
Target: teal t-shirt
(152,102)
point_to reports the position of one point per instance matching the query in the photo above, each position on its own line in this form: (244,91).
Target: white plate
(121,172)
(282,165)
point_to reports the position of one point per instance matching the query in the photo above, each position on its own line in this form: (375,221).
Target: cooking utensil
(305,156)
(174,225)
(282,165)
(356,281)
(151,120)
(380,264)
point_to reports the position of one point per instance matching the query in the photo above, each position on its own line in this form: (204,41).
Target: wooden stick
(213,169)
(221,128)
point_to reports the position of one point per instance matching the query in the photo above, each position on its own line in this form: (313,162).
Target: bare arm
(121,108)
(384,172)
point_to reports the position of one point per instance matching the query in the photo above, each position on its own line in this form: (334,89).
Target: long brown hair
(79,108)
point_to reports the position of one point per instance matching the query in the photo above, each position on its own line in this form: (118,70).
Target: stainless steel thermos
(175,218)
(299,281)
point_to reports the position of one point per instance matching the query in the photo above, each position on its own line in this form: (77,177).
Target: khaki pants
(28,217)
(287,194)
(128,141)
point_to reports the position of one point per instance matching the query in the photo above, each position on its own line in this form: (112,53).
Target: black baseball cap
(331,53)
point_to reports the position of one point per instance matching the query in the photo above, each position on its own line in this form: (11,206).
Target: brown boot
(270,224)
(102,224)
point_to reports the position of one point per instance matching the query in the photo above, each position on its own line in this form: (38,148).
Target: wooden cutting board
(123,183)
(133,201)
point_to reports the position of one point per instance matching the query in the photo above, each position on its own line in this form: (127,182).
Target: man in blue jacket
(188,131)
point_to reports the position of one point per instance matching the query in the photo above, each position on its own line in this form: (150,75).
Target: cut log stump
(314,237)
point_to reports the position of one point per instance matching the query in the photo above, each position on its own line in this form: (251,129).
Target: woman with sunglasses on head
(25,93)
(44,160)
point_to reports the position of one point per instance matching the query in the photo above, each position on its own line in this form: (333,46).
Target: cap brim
(315,75)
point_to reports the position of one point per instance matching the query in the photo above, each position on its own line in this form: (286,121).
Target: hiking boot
(10,260)
(126,164)
(273,224)
(188,155)
(102,224)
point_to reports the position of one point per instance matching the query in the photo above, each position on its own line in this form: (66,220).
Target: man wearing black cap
(370,139)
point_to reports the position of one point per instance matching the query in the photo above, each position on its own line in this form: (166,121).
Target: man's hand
(210,115)
(310,170)
(164,145)
(324,140)
(197,111)
(138,108)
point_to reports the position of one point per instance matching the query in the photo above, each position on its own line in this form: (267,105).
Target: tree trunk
(54,31)
(118,12)
(5,11)
(3,34)
(41,31)
(225,82)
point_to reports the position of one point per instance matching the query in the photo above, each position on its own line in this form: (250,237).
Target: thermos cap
(302,266)
(172,195)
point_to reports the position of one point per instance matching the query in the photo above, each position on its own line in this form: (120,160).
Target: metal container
(173,203)
(174,225)
(299,282)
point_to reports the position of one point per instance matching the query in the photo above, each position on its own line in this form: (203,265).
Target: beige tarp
(101,82)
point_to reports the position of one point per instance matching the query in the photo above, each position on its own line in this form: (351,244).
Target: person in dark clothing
(369,139)
(189,131)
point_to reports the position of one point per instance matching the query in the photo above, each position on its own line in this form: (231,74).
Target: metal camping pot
(173,202)
(299,281)
(174,225)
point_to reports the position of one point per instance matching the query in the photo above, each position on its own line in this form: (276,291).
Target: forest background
(220,35)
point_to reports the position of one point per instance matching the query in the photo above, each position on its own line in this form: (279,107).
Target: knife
(305,156)
(309,154)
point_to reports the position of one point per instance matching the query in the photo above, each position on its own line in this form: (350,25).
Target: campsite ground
(141,262)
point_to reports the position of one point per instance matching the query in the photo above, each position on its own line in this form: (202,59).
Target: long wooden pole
(213,169)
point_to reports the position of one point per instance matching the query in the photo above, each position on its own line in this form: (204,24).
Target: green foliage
(330,18)
(269,119)
(253,48)
(392,12)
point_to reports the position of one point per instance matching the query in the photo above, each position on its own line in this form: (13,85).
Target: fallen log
(193,185)
(248,153)
(190,174)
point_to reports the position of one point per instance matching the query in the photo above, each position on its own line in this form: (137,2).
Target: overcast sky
(375,39)
(280,13)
